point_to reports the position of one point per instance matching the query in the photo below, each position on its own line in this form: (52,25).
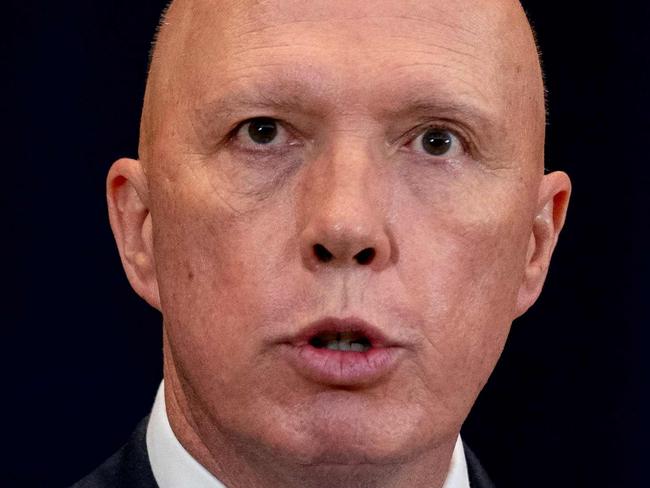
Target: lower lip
(343,368)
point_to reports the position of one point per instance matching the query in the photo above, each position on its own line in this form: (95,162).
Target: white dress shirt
(174,467)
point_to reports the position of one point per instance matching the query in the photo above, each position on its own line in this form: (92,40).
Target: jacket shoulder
(128,467)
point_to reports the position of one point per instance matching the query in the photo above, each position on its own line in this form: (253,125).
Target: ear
(128,209)
(552,204)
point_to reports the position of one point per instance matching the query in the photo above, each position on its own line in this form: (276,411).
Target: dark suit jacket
(129,467)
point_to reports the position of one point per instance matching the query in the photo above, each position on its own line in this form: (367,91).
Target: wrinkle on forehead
(494,36)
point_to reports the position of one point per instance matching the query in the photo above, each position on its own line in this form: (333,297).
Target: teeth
(345,341)
(344,345)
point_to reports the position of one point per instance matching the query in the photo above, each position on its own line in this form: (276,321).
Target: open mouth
(341,341)
(342,352)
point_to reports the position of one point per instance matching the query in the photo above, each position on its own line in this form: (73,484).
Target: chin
(351,453)
(356,438)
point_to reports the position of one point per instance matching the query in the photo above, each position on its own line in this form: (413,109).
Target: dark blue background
(81,355)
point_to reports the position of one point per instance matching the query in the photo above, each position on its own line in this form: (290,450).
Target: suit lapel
(127,468)
(478,478)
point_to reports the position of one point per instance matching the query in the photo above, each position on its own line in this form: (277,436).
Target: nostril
(322,253)
(366,256)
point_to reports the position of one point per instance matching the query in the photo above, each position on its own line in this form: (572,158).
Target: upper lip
(341,325)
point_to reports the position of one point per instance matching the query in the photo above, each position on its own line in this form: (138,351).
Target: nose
(344,208)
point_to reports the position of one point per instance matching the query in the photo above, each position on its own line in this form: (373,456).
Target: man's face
(314,169)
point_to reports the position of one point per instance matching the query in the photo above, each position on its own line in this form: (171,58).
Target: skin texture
(218,233)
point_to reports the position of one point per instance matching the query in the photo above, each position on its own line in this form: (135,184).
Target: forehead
(355,50)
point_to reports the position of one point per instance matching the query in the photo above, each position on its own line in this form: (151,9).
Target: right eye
(261,131)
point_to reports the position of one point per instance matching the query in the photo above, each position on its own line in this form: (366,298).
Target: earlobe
(553,201)
(128,207)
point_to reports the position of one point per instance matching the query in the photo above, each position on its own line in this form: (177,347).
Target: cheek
(464,265)
(222,278)
(473,232)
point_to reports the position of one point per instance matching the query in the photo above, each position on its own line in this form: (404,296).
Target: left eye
(437,142)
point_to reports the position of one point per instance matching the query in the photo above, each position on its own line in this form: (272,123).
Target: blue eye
(262,130)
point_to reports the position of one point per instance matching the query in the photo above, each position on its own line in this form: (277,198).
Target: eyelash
(419,131)
(239,127)
(409,136)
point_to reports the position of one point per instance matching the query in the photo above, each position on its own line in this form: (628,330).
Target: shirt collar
(174,467)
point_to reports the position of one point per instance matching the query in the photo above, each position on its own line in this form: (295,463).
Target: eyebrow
(423,100)
(444,108)
(276,95)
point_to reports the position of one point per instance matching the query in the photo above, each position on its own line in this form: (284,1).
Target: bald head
(488,47)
